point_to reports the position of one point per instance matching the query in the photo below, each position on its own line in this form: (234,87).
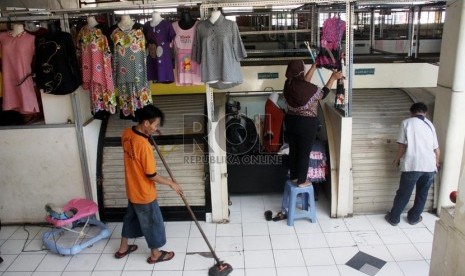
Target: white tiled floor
(252,245)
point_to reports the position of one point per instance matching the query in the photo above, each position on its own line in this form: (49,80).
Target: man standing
(418,158)
(143,216)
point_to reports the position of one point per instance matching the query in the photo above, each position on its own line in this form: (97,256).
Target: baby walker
(76,213)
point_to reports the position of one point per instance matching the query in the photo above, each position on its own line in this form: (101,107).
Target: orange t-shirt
(139,165)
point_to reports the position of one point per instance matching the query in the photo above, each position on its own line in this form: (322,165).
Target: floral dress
(130,69)
(97,73)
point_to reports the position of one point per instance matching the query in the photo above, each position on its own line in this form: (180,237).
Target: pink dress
(187,70)
(97,75)
(18,87)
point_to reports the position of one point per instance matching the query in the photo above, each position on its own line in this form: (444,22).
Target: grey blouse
(218,49)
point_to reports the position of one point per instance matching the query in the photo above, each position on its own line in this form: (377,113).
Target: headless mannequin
(53,28)
(214,16)
(156,19)
(17,29)
(31,27)
(91,22)
(274,98)
(125,22)
(186,22)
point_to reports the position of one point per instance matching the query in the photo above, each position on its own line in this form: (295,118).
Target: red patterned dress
(97,74)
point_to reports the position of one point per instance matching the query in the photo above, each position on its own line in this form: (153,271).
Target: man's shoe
(415,222)
(387,217)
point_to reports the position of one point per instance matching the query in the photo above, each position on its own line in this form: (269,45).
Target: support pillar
(449,233)
(453,49)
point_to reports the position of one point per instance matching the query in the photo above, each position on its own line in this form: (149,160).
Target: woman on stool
(301,120)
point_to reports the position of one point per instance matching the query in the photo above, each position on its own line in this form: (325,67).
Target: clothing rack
(92,10)
(253,93)
(30,18)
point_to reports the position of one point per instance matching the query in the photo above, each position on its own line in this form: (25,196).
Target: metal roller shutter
(181,143)
(377,114)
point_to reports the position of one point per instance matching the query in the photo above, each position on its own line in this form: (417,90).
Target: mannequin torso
(91,22)
(125,22)
(31,26)
(156,19)
(17,29)
(214,16)
(186,22)
(274,98)
(52,28)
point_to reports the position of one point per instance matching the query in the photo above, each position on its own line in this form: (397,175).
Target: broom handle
(313,58)
(185,201)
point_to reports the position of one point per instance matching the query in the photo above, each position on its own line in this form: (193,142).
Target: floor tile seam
(403,230)
(327,243)
(371,223)
(396,242)
(414,245)
(303,258)
(6,268)
(397,262)
(392,254)
(94,269)
(377,234)
(389,252)
(23,229)
(43,257)
(229,236)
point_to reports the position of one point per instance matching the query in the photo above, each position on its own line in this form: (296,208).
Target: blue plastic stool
(289,205)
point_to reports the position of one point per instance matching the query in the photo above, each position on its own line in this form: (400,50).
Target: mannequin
(274,98)
(53,28)
(214,16)
(125,22)
(159,34)
(31,26)
(186,21)
(17,29)
(156,19)
(91,22)
(272,131)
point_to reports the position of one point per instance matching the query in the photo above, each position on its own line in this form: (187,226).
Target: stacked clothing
(317,167)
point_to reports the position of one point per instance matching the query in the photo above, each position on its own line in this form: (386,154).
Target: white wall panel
(37,166)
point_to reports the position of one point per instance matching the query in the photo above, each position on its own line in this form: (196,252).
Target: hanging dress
(18,87)
(274,118)
(187,71)
(56,65)
(130,70)
(97,73)
(160,65)
(330,48)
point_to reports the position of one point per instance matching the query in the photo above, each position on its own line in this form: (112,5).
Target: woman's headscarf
(297,91)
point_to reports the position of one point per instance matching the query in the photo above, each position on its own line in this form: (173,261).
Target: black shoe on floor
(280,216)
(268,215)
(387,217)
(415,222)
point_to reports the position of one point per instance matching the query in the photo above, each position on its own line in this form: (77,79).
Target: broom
(313,59)
(220,268)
